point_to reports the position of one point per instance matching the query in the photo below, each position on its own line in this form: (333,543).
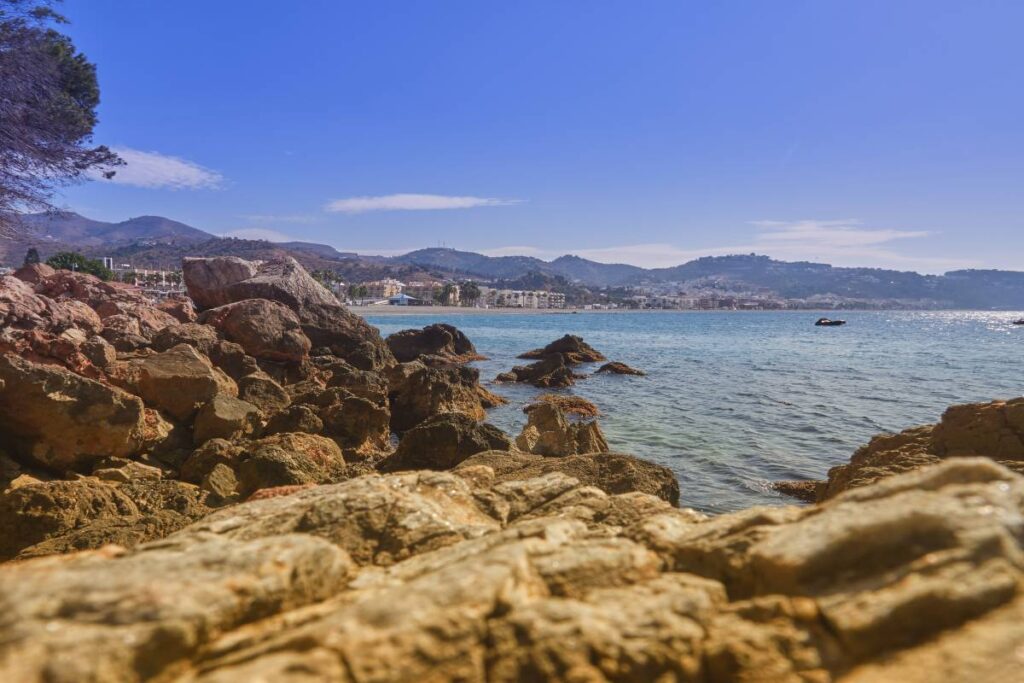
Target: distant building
(517,298)
(403,299)
(383,289)
(108,263)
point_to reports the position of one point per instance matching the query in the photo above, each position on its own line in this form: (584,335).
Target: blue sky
(857,133)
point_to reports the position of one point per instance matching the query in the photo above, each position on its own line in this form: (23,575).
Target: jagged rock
(994,430)
(426,576)
(208,279)
(571,347)
(225,417)
(122,470)
(443,341)
(366,384)
(218,281)
(33,273)
(181,309)
(418,392)
(442,442)
(550,373)
(567,403)
(806,491)
(298,417)
(99,351)
(287,459)
(61,420)
(228,356)
(265,329)
(178,380)
(549,432)
(613,473)
(618,368)
(361,427)
(263,392)
(63,516)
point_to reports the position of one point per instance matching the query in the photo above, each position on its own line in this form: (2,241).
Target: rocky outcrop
(434,576)
(617,368)
(571,347)
(264,329)
(330,327)
(550,373)
(994,430)
(225,417)
(440,341)
(442,442)
(63,421)
(549,432)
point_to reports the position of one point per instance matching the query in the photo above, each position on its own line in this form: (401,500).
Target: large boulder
(442,442)
(329,326)
(418,392)
(571,347)
(265,329)
(208,279)
(177,381)
(550,432)
(64,421)
(441,341)
(225,417)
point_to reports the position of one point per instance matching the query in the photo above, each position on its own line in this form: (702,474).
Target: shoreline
(386,310)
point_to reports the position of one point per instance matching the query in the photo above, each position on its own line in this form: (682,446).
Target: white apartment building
(517,298)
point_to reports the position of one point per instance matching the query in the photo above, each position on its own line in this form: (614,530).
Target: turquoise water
(734,400)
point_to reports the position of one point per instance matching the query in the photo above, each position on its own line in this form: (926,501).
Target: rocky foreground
(266,490)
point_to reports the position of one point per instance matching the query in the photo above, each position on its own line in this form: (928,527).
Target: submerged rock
(618,368)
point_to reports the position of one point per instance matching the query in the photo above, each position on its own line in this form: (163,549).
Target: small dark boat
(827,322)
(1019,322)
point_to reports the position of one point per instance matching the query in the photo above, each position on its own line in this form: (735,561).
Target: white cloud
(412,202)
(258,234)
(155,170)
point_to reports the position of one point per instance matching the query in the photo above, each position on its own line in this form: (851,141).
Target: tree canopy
(70,260)
(48,99)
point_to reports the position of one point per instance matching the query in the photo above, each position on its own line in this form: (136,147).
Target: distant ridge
(157,242)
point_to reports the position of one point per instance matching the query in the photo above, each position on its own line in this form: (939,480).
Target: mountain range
(157,242)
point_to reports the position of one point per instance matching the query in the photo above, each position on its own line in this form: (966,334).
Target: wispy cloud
(156,170)
(258,234)
(838,234)
(412,202)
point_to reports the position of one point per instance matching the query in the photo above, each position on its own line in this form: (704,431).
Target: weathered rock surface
(994,430)
(208,279)
(61,420)
(418,392)
(177,381)
(52,517)
(442,442)
(265,329)
(571,347)
(617,368)
(613,473)
(429,576)
(550,373)
(225,417)
(567,403)
(441,341)
(549,432)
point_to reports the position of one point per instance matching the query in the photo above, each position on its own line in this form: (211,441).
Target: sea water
(734,400)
